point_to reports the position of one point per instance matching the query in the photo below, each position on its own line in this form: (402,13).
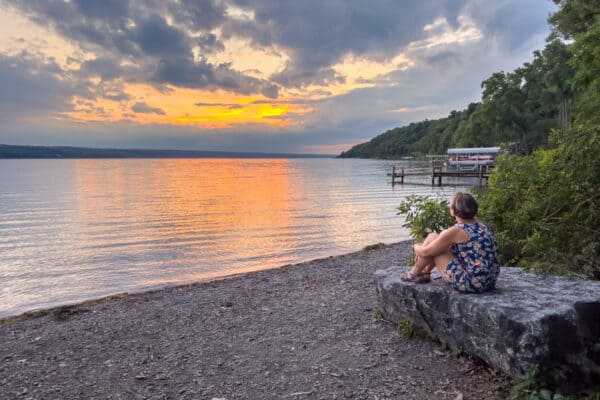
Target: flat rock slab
(527,320)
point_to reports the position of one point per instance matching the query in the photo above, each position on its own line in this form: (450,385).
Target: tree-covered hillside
(425,137)
(519,107)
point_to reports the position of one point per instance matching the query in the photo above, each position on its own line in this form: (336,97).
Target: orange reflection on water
(206,209)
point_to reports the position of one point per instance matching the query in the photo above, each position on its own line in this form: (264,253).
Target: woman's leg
(442,261)
(424,265)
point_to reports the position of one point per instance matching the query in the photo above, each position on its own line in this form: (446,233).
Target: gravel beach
(304,331)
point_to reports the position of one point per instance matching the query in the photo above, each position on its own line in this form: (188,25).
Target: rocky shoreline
(304,331)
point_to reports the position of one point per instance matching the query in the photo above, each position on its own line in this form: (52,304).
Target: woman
(465,254)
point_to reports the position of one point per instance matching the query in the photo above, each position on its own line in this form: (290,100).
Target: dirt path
(300,332)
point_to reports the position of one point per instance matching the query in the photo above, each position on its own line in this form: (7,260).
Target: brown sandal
(423,277)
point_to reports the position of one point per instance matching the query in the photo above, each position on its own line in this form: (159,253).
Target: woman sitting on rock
(465,254)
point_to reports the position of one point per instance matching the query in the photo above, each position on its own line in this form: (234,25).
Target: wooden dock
(481,172)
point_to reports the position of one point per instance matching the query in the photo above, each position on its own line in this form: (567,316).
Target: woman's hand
(416,248)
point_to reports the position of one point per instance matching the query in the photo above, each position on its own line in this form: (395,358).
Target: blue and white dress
(475,267)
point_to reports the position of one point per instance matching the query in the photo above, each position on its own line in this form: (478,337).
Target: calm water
(72,230)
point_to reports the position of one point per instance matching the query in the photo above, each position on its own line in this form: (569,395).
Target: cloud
(168,40)
(143,108)
(137,34)
(184,72)
(231,106)
(31,87)
(345,63)
(198,14)
(105,68)
(511,22)
(320,33)
(157,38)
(317,34)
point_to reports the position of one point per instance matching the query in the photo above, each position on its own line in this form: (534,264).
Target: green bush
(425,215)
(545,208)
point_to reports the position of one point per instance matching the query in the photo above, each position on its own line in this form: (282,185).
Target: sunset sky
(301,76)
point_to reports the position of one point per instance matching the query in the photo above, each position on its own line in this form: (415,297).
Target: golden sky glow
(205,109)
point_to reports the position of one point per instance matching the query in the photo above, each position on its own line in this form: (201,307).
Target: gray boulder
(527,320)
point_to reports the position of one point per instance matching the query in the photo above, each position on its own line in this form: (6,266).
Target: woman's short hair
(464,205)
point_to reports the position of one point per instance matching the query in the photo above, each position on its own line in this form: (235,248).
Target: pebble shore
(305,331)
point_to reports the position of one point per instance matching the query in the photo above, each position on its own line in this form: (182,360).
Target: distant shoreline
(68,152)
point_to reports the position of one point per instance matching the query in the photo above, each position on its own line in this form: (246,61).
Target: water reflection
(77,229)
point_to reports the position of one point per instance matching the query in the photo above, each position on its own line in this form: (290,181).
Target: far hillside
(520,107)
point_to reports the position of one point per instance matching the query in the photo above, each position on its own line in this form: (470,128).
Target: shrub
(425,215)
(545,208)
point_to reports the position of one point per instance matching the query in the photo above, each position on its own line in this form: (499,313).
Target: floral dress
(475,267)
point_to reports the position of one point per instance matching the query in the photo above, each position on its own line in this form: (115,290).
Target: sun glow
(215,110)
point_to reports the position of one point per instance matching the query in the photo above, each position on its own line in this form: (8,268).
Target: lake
(72,230)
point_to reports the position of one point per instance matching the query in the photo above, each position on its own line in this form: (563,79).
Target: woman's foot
(423,277)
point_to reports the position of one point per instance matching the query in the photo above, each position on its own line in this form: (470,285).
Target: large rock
(527,320)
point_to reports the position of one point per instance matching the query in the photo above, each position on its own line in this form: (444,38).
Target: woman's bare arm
(442,243)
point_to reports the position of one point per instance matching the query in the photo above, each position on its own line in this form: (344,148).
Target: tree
(586,60)
(573,17)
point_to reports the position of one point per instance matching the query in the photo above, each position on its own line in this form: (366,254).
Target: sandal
(423,277)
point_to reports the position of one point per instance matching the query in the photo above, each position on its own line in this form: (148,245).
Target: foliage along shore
(543,200)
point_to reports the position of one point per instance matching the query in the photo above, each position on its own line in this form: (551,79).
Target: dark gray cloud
(319,33)
(226,105)
(185,72)
(444,58)
(198,14)
(157,38)
(315,34)
(102,10)
(511,22)
(143,108)
(106,69)
(155,50)
(209,43)
(31,86)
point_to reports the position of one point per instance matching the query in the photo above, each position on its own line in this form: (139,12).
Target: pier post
(393,175)
(402,178)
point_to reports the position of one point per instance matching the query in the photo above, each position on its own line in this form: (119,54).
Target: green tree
(586,60)
(573,17)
